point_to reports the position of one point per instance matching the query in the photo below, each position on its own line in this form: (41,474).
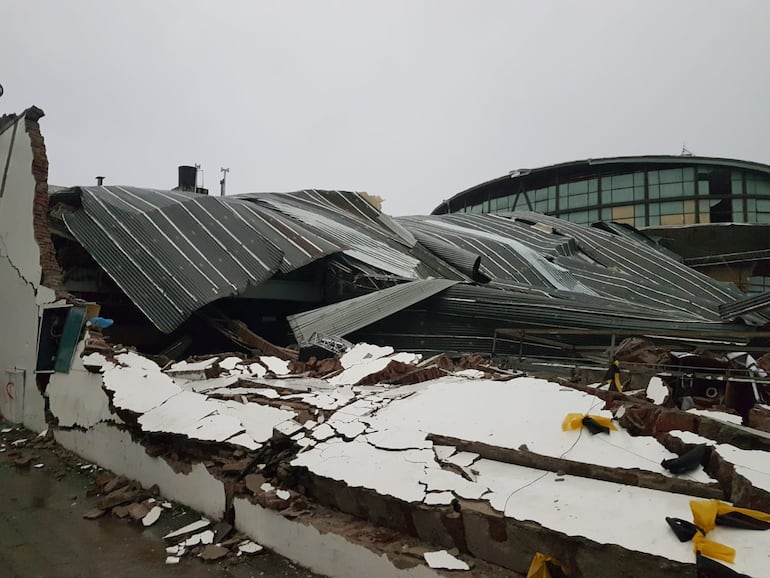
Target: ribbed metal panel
(171,253)
(464,261)
(504,256)
(741,307)
(299,243)
(645,263)
(340,319)
(465,318)
(362,245)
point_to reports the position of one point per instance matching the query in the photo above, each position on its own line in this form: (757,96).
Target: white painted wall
(327,553)
(20,290)
(113,448)
(77,398)
(17,239)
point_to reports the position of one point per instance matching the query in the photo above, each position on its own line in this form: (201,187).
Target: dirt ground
(43,533)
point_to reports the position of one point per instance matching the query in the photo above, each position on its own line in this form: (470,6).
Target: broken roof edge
(345,317)
(144,262)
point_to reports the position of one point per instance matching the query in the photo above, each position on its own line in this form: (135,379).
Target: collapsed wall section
(28,269)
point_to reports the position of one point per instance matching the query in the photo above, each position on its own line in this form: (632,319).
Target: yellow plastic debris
(539,566)
(705,512)
(713,549)
(575,421)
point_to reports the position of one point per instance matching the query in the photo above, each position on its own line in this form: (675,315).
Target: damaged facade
(227,375)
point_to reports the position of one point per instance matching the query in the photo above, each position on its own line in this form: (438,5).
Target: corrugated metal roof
(741,307)
(171,252)
(340,319)
(505,256)
(361,244)
(465,318)
(613,267)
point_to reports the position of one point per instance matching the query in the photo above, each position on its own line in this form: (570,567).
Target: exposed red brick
(51,276)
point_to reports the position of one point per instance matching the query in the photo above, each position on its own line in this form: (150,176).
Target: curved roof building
(643,191)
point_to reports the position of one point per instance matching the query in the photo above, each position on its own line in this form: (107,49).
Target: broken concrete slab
(118,497)
(152,516)
(138,511)
(188,529)
(94,514)
(212,553)
(442,559)
(249,547)
(200,538)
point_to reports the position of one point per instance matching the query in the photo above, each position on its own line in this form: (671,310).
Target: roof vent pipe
(188,178)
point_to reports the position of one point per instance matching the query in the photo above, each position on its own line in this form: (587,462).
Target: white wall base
(114,449)
(326,553)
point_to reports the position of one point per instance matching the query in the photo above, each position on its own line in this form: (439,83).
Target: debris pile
(465,436)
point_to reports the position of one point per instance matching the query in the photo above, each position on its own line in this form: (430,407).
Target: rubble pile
(441,441)
(356,415)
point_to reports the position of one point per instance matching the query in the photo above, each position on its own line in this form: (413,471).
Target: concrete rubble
(466,462)
(343,455)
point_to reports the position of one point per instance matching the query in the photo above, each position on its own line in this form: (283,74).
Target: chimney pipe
(188,178)
(99,181)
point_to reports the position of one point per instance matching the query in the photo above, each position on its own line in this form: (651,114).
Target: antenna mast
(223,182)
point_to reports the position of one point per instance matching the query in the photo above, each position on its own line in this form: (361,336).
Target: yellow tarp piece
(705,512)
(575,421)
(539,569)
(713,549)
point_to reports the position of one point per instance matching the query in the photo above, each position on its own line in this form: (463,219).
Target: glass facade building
(639,191)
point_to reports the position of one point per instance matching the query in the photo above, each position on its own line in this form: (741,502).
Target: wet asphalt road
(43,533)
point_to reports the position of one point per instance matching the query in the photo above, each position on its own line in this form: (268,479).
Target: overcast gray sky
(410,100)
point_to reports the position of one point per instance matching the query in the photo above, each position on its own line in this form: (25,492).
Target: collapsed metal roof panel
(340,319)
(355,206)
(170,252)
(365,239)
(466,318)
(299,243)
(509,252)
(745,305)
(173,252)
(648,264)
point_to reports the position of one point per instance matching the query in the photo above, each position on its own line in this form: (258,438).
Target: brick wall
(51,271)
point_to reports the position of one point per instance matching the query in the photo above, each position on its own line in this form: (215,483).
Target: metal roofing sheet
(340,319)
(174,252)
(171,253)
(470,315)
(646,263)
(745,305)
(365,239)
(505,256)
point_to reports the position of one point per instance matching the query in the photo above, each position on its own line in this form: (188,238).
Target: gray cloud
(412,101)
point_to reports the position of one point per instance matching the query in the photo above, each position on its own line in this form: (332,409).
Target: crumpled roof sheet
(378,243)
(580,260)
(345,317)
(173,252)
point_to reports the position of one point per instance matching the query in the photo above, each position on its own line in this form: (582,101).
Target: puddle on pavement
(43,534)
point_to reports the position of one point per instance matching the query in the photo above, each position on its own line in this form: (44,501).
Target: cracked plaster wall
(327,553)
(113,448)
(20,272)
(77,399)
